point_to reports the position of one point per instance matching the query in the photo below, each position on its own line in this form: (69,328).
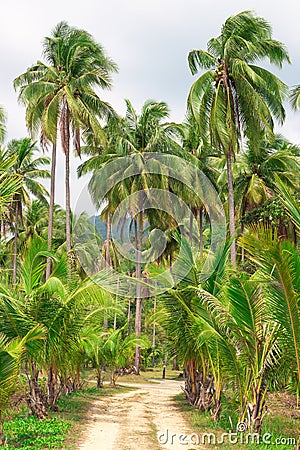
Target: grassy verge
(280,428)
(62,428)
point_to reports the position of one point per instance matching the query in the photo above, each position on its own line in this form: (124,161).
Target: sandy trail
(143,419)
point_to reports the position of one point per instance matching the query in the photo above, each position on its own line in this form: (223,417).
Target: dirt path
(139,420)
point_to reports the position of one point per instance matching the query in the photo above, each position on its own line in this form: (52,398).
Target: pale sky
(148,39)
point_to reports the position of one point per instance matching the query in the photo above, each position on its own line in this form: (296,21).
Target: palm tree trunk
(51,208)
(294,234)
(16,242)
(138,314)
(4,228)
(53,389)
(68,203)
(191,227)
(175,363)
(35,398)
(243,250)
(117,298)
(99,378)
(171,262)
(128,315)
(231,206)
(107,258)
(51,375)
(65,140)
(201,230)
(153,335)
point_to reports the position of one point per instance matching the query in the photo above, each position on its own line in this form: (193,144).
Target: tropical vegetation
(235,332)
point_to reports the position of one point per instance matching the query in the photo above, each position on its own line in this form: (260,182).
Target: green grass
(281,423)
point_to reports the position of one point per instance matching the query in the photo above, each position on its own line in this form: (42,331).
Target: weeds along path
(135,420)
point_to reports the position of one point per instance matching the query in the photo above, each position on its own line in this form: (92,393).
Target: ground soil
(142,419)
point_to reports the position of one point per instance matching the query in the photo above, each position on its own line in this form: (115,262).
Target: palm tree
(11,355)
(116,352)
(2,124)
(35,222)
(59,94)
(10,182)
(194,339)
(10,352)
(235,97)
(202,156)
(29,170)
(258,169)
(278,262)
(10,185)
(241,316)
(290,202)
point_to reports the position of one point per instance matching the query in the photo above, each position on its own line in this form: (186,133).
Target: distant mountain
(100,226)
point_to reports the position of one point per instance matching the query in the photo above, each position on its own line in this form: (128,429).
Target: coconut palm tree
(241,316)
(10,185)
(196,339)
(30,169)
(35,222)
(235,97)
(10,182)
(2,124)
(203,156)
(290,202)
(278,262)
(59,95)
(257,171)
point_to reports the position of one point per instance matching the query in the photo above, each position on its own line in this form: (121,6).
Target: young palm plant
(118,350)
(11,355)
(62,310)
(195,338)
(278,261)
